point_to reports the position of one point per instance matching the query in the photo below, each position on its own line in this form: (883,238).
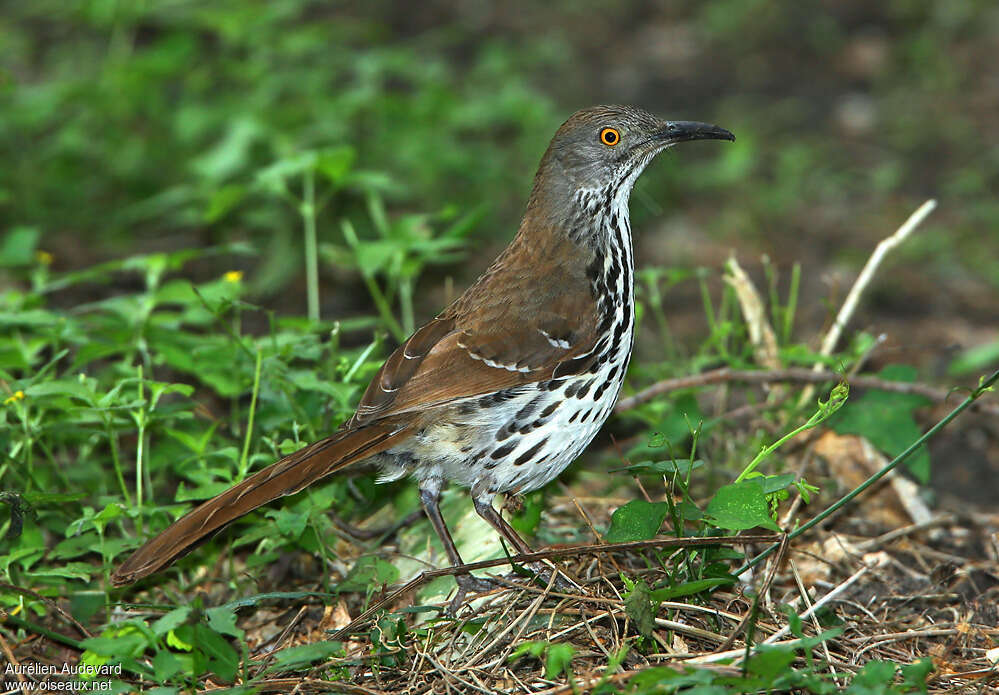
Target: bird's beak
(681,131)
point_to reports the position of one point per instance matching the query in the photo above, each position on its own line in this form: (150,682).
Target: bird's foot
(467,584)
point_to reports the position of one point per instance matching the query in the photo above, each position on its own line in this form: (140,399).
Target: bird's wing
(506,331)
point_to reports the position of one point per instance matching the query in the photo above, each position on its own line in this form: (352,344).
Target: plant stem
(308,210)
(972,397)
(244,457)
(115,460)
(140,449)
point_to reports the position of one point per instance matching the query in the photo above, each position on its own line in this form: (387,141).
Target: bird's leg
(484,508)
(430,497)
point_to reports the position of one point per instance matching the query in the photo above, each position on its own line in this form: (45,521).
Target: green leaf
(637,520)
(85,604)
(222,658)
(774,483)
(18,246)
(172,620)
(175,640)
(75,546)
(223,200)
(681,467)
(71,570)
(304,655)
(61,387)
(165,665)
(914,675)
(885,419)
(975,359)
(559,657)
(34,318)
(873,679)
(640,608)
(741,506)
(127,640)
(335,163)
(690,588)
(368,574)
(223,620)
(769,662)
(557,660)
(289,523)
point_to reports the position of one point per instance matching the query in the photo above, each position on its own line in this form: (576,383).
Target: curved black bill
(681,131)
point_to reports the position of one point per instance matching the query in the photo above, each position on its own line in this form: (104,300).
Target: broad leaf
(741,506)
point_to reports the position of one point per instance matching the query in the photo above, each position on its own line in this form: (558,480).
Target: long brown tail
(287,476)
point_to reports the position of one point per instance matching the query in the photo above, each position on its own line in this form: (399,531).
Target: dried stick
(875,561)
(796,374)
(866,275)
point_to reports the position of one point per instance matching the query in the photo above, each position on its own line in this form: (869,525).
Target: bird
(505,387)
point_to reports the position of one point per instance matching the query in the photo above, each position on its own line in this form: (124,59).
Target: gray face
(610,144)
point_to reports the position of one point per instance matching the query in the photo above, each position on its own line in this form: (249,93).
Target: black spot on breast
(613,372)
(505,431)
(529,409)
(478,456)
(466,449)
(574,416)
(571,389)
(600,390)
(586,417)
(550,408)
(584,389)
(605,322)
(468,409)
(618,333)
(491,465)
(614,272)
(529,454)
(554,384)
(504,450)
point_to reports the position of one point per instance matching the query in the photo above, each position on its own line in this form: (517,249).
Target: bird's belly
(515,440)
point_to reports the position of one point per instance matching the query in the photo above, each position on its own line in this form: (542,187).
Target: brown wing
(514,326)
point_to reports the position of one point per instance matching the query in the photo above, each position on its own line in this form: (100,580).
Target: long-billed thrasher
(507,385)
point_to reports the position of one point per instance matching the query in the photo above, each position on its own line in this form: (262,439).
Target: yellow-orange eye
(610,136)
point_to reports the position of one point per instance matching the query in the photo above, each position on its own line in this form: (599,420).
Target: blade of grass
(244,457)
(308,212)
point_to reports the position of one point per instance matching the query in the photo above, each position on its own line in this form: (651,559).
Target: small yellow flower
(16,396)
(44,257)
(233,276)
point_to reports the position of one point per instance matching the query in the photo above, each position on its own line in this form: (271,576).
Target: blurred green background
(131,127)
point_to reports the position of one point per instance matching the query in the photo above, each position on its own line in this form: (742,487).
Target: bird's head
(610,146)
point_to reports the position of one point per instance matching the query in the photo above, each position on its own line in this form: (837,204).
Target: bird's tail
(287,476)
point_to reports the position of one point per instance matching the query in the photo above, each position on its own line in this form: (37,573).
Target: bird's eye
(610,136)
